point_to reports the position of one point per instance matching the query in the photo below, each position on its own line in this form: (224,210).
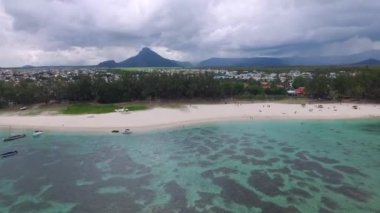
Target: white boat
(122,110)
(37,133)
(127,131)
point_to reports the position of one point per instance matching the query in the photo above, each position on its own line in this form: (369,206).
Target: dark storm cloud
(86,31)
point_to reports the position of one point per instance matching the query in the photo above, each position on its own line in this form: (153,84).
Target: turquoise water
(256,166)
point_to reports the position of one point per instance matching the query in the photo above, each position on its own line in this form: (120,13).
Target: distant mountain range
(145,58)
(370,61)
(357,59)
(148,58)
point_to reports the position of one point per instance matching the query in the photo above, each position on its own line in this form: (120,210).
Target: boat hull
(9,154)
(15,137)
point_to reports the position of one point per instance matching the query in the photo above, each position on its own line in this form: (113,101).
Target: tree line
(132,86)
(364,84)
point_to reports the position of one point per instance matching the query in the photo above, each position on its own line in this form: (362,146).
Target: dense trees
(150,86)
(319,87)
(300,82)
(359,85)
(131,86)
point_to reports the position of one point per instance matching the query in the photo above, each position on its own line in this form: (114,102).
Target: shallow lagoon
(256,166)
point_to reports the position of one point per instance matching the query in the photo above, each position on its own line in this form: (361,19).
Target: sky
(86,32)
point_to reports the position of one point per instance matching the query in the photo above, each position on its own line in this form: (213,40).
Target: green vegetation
(84,108)
(146,86)
(360,85)
(89,109)
(136,107)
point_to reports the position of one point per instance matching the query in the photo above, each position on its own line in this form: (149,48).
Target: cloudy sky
(85,32)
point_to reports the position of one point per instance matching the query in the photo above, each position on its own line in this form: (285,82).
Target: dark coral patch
(299,192)
(231,140)
(246,144)
(268,207)
(349,170)
(207,174)
(254,152)
(202,150)
(352,192)
(245,138)
(175,157)
(291,199)
(285,157)
(177,202)
(372,128)
(315,169)
(214,172)
(323,210)
(302,155)
(227,152)
(262,182)
(295,177)
(283,170)
(232,191)
(185,164)
(29,206)
(212,145)
(206,198)
(233,147)
(329,203)
(249,134)
(214,156)
(314,189)
(268,162)
(302,184)
(288,149)
(218,210)
(243,159)
(324,159)
(204,163)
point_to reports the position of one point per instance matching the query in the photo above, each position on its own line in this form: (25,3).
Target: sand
(190,114)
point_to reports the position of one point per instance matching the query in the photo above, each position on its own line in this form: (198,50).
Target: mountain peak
(147,58)
(147,52)
(145,49)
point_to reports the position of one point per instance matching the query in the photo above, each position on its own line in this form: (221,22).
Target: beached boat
(123,110)
(14,137)
(37,133)
(127,131)
(9,154)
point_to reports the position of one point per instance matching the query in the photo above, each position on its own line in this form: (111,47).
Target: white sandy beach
(191,114)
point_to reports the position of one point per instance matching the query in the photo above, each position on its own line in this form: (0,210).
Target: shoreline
(167,118)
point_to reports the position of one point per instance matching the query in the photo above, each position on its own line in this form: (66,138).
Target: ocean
(250,166)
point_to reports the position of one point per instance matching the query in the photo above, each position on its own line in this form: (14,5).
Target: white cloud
(83,31)
(351,46)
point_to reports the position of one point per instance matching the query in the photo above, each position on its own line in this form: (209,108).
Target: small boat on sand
(9,154)
(37,133)
(14,137)
(127,131)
